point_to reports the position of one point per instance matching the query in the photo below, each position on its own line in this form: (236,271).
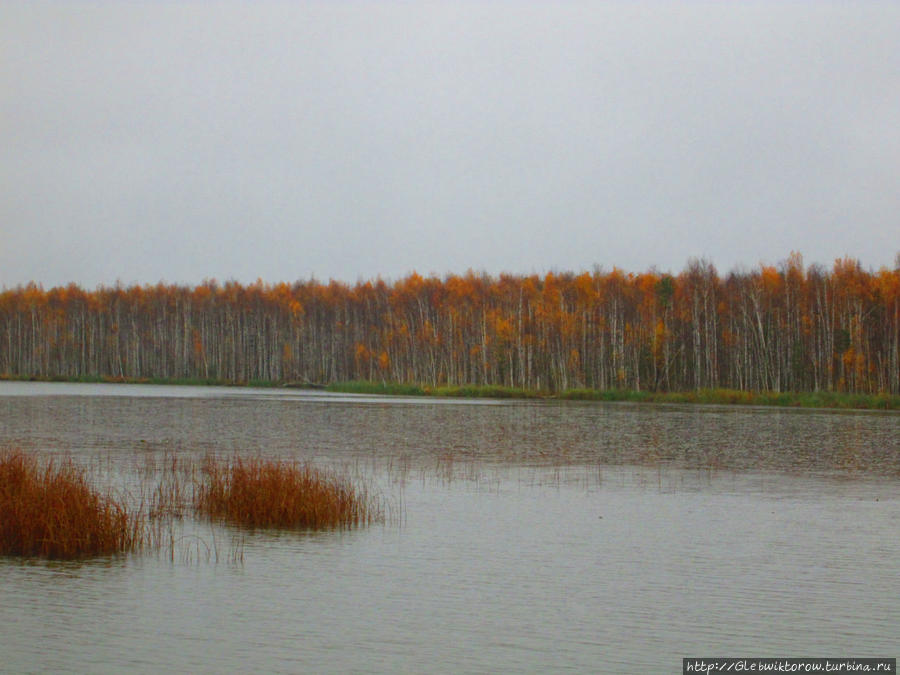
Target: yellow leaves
(794,268)
(34,295)
(523,328)
(530,287)
(584,289)
(888,284)
(770,279)
(505,330)
(846,266)
(362,352)
(462,289)
(198,343)
(660,334)
(646,284)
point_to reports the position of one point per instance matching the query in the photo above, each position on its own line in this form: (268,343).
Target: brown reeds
(263,493)
(51,510)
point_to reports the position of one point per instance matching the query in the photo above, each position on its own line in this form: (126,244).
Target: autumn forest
(775,328)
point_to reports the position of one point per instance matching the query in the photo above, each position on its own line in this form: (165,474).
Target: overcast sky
(178,141)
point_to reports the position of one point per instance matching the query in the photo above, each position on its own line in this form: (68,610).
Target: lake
(520,536)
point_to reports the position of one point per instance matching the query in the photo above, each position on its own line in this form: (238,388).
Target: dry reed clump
(266,493)
(51,510)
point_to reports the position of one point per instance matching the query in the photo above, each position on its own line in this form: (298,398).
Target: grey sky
(177,141)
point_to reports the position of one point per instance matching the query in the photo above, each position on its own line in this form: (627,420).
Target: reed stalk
(261,493)
(51,510)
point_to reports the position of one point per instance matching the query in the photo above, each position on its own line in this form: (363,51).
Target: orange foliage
(778,327)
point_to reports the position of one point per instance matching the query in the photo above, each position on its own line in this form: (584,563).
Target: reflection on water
(425,430)
(534,537)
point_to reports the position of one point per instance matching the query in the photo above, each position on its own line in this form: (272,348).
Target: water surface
(522,536)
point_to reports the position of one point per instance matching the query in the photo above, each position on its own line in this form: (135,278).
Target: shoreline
(820,399)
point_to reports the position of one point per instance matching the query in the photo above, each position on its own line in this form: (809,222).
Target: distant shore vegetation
(776,333)
(819,399)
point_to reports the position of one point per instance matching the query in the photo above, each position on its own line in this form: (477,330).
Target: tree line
(776,328)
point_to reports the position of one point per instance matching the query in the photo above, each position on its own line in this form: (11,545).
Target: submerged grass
(261,493)
(820,399)
(485,391)
(455,391)
(51,510)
